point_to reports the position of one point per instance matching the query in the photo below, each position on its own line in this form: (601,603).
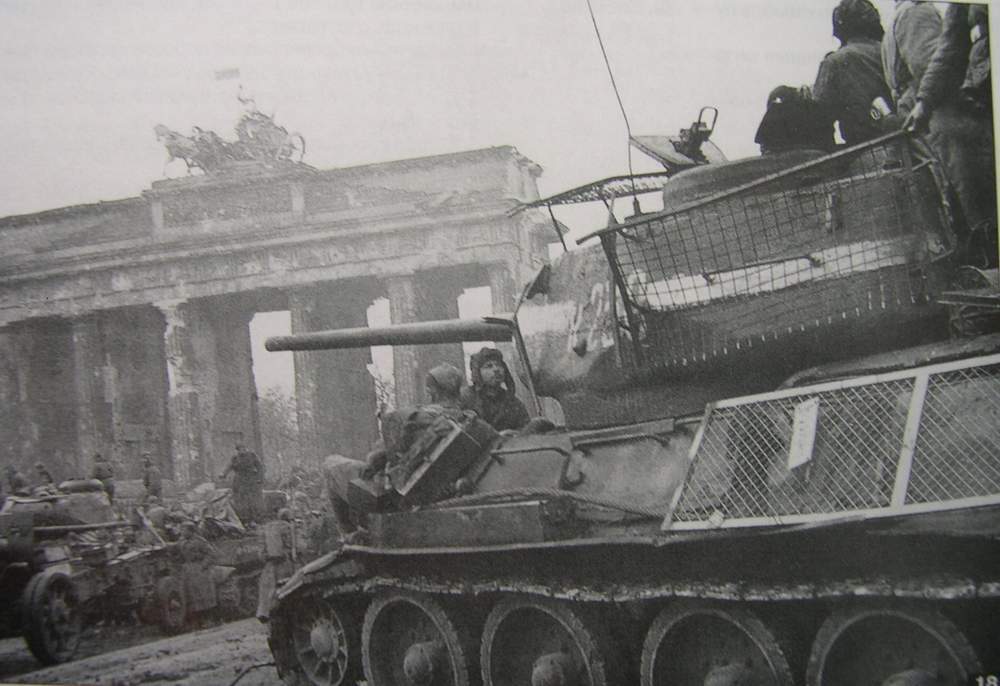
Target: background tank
(841,532)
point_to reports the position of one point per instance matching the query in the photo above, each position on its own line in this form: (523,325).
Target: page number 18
(987,680)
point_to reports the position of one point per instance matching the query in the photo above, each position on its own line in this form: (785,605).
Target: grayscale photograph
(525,343)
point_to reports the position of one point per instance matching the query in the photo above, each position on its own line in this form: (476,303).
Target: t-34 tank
(697,521)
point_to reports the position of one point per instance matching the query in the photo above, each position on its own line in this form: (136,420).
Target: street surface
(210,657)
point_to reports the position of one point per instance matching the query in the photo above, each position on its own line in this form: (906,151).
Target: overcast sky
(369,80)
(85,82)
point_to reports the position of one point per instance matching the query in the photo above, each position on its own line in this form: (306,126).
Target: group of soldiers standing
(924,72)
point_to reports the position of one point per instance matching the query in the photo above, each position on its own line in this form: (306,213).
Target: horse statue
(179,147)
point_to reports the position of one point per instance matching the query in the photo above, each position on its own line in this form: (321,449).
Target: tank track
(792,631)
(922,588)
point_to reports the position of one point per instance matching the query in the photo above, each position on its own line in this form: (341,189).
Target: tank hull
(836,533)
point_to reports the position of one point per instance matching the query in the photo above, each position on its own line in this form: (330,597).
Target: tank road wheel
(897,646)
(325,640)
(545,642)
(51,617)
(172,605)
(410,639)
(702,644)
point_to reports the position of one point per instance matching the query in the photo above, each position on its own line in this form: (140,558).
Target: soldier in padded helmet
(850,78)
(492,393)
(400,428)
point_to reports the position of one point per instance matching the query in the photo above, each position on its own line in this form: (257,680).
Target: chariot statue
(258,139)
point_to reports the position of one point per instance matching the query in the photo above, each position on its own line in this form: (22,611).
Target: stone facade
(124,325)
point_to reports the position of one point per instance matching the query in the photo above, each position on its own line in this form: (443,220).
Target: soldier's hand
(918,118)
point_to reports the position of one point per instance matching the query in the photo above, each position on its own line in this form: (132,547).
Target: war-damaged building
(124,325)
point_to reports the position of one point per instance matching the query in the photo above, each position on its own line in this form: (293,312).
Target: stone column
(502,289)
(183,414)
(346,416)
(13,398)
(437,299)
(302,308)
(406,367)
(88,386)
(227,368)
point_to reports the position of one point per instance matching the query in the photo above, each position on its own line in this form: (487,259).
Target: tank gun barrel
(498,329)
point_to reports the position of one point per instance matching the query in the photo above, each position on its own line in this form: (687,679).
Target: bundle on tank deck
(778,467)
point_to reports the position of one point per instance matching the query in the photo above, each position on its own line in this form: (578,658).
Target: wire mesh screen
(749,464)
(838,236)
(742,468)
(958,449)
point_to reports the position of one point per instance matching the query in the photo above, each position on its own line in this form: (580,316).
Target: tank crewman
(492,393)
(152,478)
(105,473)
(951,101)
(280,552)
(851,77)
(248,484)
(16,483)
(400,428)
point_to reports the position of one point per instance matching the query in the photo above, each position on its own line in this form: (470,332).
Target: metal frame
(921,378)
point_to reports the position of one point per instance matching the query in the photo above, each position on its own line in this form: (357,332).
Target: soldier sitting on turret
(400,429)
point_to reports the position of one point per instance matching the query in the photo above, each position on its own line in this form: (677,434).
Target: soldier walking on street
(248,484)
(279,550)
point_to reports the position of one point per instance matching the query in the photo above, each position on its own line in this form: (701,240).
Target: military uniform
(248,483)
(945,65)
(849,79)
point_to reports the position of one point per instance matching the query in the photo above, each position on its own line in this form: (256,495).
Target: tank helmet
(478,360)
(487,354)
(445,378)
(856,19)
(285,514)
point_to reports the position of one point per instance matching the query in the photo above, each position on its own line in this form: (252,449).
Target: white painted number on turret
(588,329)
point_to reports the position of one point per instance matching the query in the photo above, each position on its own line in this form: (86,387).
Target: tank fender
(333,565)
